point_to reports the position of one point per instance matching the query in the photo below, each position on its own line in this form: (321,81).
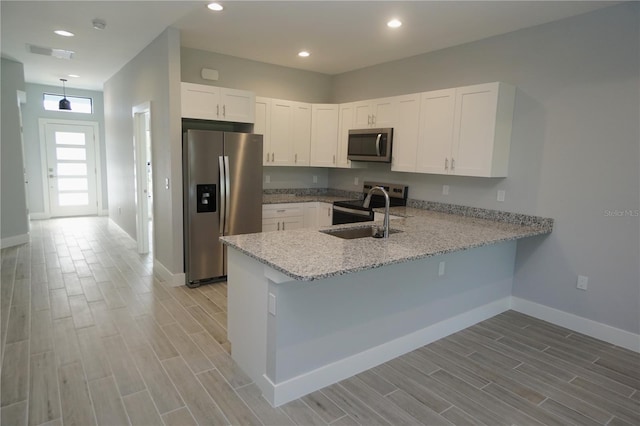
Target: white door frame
(43,122)
(140,154)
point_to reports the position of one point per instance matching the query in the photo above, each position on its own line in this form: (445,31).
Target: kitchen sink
(360,232)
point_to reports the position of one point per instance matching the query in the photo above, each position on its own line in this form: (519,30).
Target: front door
(71,169)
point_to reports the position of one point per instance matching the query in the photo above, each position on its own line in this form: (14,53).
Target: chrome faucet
(367,200)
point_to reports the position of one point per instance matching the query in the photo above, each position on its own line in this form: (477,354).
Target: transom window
(78,104)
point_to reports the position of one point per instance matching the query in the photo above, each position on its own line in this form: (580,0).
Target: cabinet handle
(369,119)
(328,211)
(267,157)
(296,158)
(273,156)
(334,159)
(218,110)
(283,226)
(278,226)
(224,110)
(373,119)
(446,164)
(281,211)
(453,163)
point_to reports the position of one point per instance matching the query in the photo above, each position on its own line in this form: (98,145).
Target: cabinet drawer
(282,210)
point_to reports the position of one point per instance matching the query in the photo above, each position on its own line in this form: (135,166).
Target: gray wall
(32,111)
(154,76)
(574,153)
(13,206)
(268,80)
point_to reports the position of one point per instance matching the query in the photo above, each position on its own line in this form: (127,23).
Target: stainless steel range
(352,211)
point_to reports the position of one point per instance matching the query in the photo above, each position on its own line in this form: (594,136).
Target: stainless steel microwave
(370,145)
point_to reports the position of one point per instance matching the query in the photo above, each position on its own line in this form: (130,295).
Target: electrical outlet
(583,282)
(267,179)
(315,179)
(166,183)
(445,189)
(501,194)
(441,268)
(355,181)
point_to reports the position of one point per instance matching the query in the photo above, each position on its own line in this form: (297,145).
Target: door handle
(52,176)
(378,143)
(223,196)
(227,191)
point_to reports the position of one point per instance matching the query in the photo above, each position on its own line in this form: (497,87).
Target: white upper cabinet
(436,131)
(286,126)
(482,130)
(405,133)
(206,102)
(374,113)
(466,131)
(324,135)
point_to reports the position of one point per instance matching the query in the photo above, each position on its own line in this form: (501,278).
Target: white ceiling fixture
(216,7)
(64,33)
(74,76)
(304,54)
(259,30)
(394,23)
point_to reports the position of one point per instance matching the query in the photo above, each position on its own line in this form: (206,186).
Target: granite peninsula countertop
(308,254)
(302,198)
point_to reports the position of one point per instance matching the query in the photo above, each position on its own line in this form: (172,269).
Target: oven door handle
(378,144)
(352,211)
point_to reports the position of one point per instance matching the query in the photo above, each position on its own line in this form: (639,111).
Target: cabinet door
(436,131)
(272,224)
(482,134)
(325,214)
(383,112)
(324,135)
(301,134)
(405,133)
(311,215)
(289,223)
(281,133)
(199,101)
(362,117)
(237,106)
(262,126)
(345,123)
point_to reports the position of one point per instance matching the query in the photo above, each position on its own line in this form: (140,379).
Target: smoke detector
(99,24)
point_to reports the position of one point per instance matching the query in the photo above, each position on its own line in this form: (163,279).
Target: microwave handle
(378,144)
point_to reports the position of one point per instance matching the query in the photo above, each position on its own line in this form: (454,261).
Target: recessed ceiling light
(304,54)
(216,7)
(64,33)
(74,75)
(394,23)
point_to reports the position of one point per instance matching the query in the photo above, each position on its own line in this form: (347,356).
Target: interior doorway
(70,168)
(143,176)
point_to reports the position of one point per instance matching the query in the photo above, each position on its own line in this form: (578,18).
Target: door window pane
(71,153)
(72,169)
(73,184)
(73,199)
(70,138)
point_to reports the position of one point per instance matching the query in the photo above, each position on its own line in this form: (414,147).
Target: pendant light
(64,103)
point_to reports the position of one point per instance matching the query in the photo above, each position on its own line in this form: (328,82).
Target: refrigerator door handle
(227,193)
(223,194)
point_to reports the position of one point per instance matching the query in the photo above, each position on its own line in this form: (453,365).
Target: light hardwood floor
(89,336)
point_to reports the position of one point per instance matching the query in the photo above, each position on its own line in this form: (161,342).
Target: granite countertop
(308,255)
(301,198)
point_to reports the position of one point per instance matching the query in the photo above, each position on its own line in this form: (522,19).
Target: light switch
(166,183)
(441,268)
(501,195)
(267,179)
(445,189)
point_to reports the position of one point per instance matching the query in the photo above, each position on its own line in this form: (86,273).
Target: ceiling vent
(48,51)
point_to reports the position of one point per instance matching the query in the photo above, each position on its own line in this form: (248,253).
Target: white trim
(140,154)
(39,216)
(42,123)
(15,240)
(281,393)
(174,280)
(597,330)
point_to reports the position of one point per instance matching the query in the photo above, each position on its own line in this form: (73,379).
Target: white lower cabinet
(318,215)
(282,217)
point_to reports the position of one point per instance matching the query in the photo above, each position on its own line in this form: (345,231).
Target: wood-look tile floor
(90,337)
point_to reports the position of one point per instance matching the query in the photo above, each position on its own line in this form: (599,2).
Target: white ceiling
(341,35)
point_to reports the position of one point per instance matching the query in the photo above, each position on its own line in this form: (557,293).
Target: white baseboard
(582,325)
(103,212)
(174,280)
(14,241)
(39,216)
(281,393)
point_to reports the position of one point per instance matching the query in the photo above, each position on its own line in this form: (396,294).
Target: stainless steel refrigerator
(222,196)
